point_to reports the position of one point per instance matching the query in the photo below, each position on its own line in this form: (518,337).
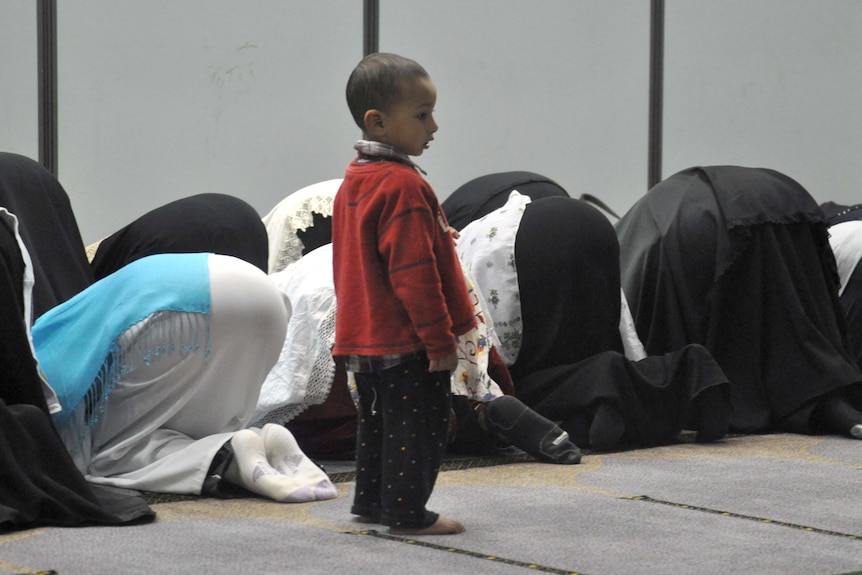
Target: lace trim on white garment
(300,219)
(305,370)
(320,380)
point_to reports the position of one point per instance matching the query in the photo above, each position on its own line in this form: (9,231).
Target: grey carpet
(783,504)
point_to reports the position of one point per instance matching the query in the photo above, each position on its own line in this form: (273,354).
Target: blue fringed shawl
(76,342)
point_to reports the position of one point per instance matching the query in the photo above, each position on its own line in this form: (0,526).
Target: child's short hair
(376,83)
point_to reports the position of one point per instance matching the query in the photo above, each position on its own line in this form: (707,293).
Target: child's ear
(374,123)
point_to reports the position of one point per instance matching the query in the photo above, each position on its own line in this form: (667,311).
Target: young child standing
(402,297)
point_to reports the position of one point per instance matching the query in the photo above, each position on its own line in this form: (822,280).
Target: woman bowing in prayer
(738,259)
(548,267)
(155,369)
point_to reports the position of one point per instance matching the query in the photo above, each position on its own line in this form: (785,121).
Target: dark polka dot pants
(401,439)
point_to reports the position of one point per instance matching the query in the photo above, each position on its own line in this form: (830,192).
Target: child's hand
(454,233)
(448,363)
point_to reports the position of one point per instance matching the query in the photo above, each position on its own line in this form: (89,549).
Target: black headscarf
(567,258)
(483,195)
(48,228)
(215,223)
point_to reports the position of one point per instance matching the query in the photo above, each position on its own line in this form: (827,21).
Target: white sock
(251,470)
(284,454)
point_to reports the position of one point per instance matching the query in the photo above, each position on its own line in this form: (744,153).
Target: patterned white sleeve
(486,248)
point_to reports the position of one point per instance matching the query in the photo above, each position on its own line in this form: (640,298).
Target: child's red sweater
(398,282)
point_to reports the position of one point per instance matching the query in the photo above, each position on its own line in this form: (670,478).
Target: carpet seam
(449,549)
(797,526)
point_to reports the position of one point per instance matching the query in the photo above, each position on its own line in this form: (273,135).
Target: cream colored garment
(163,423)
(632,345)
(292,214)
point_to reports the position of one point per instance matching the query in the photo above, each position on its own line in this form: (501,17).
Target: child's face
(409,125)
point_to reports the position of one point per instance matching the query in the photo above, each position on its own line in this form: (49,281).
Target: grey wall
(19,90)
(162,99)
(774,83)
(555,87)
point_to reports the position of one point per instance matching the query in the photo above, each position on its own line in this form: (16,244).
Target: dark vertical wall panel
(46,16)
(656,81)
(371,27)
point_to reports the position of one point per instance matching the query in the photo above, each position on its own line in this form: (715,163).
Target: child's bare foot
(442,526)
(367,519)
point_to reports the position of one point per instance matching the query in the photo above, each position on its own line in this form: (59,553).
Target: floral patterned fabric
(487,250)
(471,379)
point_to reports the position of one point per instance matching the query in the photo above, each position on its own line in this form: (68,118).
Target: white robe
(164,422)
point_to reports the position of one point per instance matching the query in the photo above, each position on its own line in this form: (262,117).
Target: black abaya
(40,484)
(738,260)
(48,229)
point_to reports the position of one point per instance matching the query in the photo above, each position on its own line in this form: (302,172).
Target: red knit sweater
(398,282)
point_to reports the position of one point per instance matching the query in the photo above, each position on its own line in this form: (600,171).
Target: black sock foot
(835,414)
(711,414)
(607,428)
(508,419)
